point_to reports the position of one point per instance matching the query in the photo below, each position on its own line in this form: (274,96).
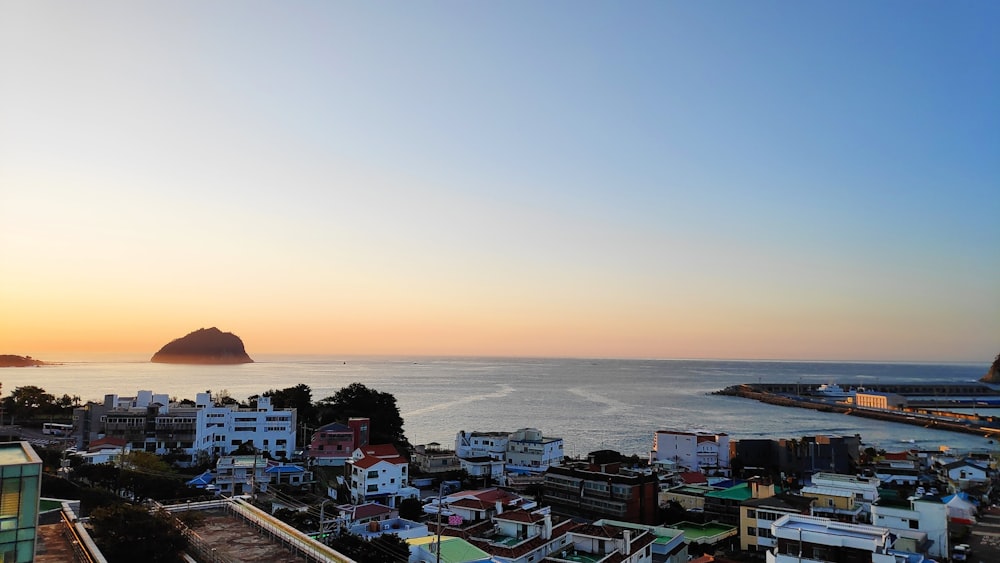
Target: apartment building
(149,422)
(602,491)
(845,498)
(482,444)
(528,449)
(691,451)
(919,522)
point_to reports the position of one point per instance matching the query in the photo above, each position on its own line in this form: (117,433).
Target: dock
(928,409)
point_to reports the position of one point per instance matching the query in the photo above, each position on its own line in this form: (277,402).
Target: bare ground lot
(234,538)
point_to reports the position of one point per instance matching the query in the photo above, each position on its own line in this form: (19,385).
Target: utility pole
(322,523)
(440,508)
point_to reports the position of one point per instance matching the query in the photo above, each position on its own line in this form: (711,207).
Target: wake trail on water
(502,392)
(612,406)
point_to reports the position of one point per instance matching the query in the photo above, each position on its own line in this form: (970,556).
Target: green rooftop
(582,557)
(704,530)
(739,493)
(662,534)
(694,532)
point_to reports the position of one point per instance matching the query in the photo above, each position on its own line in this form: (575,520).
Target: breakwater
(794,395)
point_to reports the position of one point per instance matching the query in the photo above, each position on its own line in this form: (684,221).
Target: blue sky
(650,179)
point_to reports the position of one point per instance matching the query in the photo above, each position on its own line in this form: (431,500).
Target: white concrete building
(807,539)
(222,429)
(529,449)
(377,473)
(919,522)
(692,451)
(964,473)
(149,422)
(482,444)
(842,496)
(482,467)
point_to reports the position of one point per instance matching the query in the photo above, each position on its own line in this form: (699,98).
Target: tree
(386,548)
(127,532)
(357,400)
(303,521)
(298,397)
(411,509)
(673,512)
(28,400)
(104,475)
(145,462)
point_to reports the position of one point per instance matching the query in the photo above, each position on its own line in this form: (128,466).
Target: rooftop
(693,531)
(16,453)
(830,527)
(740,492)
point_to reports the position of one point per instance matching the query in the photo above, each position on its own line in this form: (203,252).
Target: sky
(746,180)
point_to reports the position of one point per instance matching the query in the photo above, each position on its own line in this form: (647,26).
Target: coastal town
(254,481)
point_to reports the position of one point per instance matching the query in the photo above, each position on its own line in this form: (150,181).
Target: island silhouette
(12,361)
(204,346)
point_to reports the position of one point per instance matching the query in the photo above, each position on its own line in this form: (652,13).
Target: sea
(592,404)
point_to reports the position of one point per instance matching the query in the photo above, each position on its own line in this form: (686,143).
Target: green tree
(298,397)
(303,521)
(357,400)
(145,462)
(386,548)
(103,475)
(127,532)
(411,509)
(26,401)
(673,512)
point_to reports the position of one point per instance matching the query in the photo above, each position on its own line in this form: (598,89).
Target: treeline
(31,403)
(355,400)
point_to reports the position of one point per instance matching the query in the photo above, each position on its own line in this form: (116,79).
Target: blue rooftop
(285,469)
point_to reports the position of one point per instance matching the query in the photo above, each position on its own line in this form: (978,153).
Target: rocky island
(204,346)
(12,361)
(993,375)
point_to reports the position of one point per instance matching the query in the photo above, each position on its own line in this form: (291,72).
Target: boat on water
(833,391)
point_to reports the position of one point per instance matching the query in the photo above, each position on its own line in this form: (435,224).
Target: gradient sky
(797,180)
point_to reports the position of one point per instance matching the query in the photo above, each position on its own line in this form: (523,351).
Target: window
(914,524)
(751,531)
(373,474)
(372,488)
(751,513)
(10,499)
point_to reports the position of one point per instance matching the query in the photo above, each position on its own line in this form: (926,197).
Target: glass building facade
(20,488)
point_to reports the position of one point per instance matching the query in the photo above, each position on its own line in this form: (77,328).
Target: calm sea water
(591,404)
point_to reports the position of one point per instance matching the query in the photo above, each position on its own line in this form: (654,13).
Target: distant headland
(204,346)
(993,375)
(12,361)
